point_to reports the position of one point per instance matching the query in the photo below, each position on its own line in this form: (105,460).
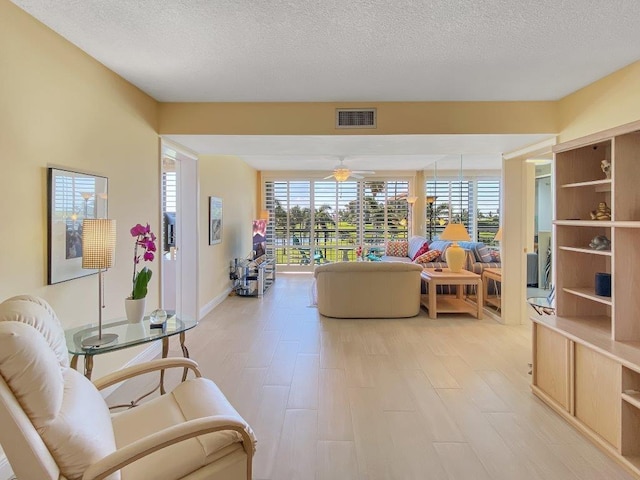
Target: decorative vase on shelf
(135,309)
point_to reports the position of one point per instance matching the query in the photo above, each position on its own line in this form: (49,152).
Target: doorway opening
(179,220)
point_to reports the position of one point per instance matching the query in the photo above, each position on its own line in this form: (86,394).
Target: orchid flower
(145,239)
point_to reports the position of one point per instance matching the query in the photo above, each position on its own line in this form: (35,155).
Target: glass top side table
(542,305)
(129,335)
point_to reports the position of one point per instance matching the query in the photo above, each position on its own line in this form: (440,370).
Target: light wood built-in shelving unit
(586,357)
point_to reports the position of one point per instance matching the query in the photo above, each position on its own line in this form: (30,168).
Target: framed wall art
(72,197)
(215,220)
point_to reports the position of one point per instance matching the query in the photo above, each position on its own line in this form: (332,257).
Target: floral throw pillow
(428,257)
(422,250)
(397,249)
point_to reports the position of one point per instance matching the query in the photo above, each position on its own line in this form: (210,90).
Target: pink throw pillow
(422,250)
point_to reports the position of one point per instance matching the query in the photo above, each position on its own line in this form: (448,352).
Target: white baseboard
(5,469)
(204,311)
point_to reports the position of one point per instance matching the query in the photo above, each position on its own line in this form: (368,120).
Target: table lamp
(98,245)
(498,237)
(455,254)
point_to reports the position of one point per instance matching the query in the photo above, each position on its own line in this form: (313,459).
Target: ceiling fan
(341,172)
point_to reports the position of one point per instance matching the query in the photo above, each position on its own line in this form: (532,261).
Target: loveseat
(368,289)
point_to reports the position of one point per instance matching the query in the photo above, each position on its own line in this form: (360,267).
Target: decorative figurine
(605,165)
(600,242)
(603,212)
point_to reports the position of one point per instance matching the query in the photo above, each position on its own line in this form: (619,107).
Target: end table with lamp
(129,335)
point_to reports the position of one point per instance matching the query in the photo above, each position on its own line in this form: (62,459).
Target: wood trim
(597,137)
(571,391)
(626,354)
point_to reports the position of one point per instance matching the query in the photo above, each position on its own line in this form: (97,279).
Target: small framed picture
(215,220)
(72,197)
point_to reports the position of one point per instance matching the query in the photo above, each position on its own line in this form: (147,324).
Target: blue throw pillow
(483,252)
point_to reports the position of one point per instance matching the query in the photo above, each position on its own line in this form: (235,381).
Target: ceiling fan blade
(327,178)
(363,172)
(356,175)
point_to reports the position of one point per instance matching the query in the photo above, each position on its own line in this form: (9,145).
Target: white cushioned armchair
(55,424)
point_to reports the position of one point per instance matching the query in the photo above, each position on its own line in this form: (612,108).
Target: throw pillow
(397,249)
(423,249)
(428,257)
(495,256)
(483,252)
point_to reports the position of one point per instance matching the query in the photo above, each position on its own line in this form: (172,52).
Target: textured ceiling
(351,50)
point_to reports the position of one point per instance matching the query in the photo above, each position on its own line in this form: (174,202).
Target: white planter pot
(135,309)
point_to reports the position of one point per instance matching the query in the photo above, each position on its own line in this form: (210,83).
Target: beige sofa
(368,289)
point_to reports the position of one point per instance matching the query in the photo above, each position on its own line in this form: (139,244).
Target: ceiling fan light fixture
(341,174)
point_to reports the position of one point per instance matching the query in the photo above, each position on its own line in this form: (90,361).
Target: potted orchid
(143,250)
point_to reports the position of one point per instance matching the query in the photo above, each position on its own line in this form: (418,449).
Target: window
(474,202)
(317,221)
(488,210)
(169,204)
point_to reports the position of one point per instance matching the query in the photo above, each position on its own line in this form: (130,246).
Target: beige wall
(611,101)
(235,182)
(59,106)
(393,118)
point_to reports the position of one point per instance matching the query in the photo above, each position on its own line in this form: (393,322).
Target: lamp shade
(498,237)
(455,232)
(98,243)
(431,199)
(411,200)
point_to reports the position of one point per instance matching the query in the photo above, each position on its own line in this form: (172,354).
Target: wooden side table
(446,303)
(495,275)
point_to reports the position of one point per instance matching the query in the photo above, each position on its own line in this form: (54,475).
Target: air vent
(355,118)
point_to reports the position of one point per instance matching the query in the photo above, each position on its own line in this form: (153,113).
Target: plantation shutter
(169,203)
(488,210)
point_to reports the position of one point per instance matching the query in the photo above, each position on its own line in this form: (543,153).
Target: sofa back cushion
(441,245)
(480,251)
(415,244)
(397,248)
